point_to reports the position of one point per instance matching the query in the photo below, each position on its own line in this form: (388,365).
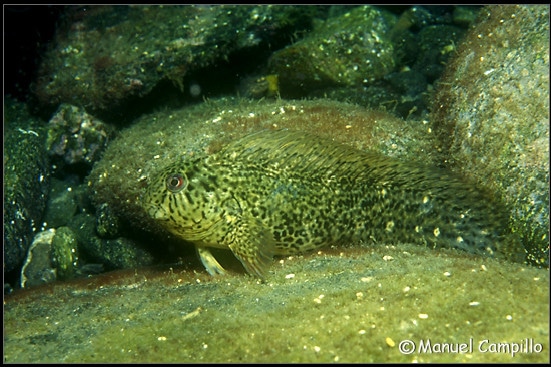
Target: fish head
(185,199)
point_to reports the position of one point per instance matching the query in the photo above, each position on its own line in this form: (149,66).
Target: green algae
(113,253)
(351,306)
(26,181)
(343,51)
(491,114)
(65,255)
(106,56)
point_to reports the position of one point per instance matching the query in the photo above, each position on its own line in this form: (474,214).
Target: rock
(62,204)
(65,253)
(491,113)
(26,182)
(333,306)
(76,137)
(347,50)
(108,225)
(38,268)
(107,58)
(118,253)
(53,255)
(124,253)
(370,56)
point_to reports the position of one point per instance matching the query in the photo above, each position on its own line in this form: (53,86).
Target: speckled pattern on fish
(285,192)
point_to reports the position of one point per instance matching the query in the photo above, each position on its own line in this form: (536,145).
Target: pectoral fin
(253,245)
(209,262)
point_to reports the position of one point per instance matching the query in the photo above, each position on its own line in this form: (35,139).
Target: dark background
(27,31)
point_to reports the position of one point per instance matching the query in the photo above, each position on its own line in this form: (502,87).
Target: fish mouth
(156,213)
(199,231)
(196,231)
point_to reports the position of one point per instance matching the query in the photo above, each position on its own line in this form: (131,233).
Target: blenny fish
(286,192)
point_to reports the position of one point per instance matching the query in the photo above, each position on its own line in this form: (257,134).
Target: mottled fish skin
(285,192)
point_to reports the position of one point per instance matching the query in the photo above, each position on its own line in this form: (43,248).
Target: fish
(284,192)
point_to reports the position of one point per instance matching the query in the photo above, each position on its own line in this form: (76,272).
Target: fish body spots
(284,192)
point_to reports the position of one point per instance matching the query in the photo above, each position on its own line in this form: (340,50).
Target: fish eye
(176,182)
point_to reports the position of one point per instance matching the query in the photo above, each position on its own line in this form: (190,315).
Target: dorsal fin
(297,152)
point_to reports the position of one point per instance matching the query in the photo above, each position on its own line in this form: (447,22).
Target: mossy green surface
(62,204)
(347,50)
(105,55)
(25,179)
(65,255)
(491,114)
(115,253)
(339,305)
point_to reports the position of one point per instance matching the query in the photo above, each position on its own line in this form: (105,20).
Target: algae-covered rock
(108,224)
(65,253)
(26,181)
(361,305)
(491,114)
(53,255)
(378,57)
(105,56)
(62,204)
(347,50)
(76,137)
(38,268)
(156,140)
(116,253)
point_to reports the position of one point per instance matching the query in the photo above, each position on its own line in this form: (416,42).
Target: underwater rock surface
(26,181)
(317,62)
(52,255)
(372,56)
(106,56)
(76,137)
(360,305)
(491,114)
